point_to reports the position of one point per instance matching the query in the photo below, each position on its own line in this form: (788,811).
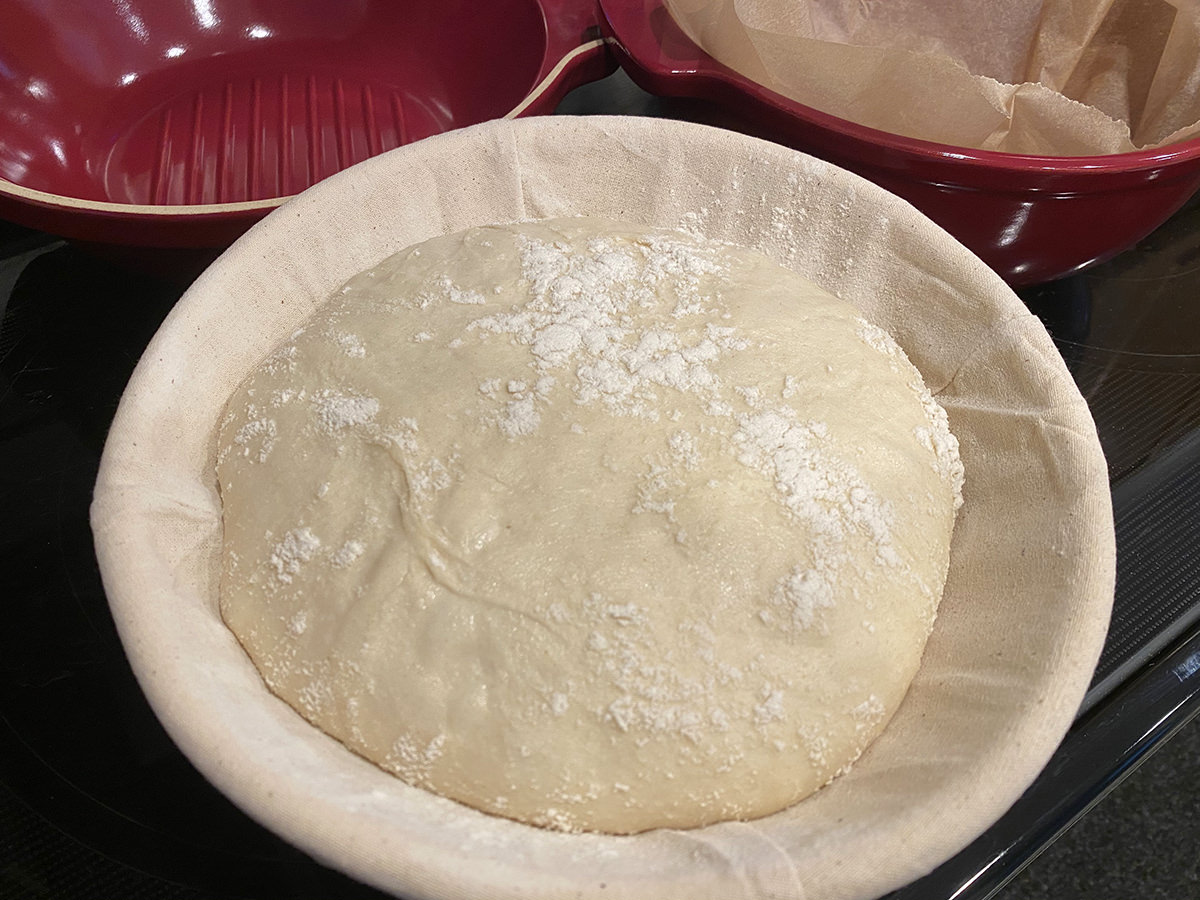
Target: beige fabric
(1019,631)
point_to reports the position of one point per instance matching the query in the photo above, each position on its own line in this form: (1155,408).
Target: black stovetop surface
(95,800)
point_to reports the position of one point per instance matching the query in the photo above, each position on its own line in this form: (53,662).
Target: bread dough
(590,526)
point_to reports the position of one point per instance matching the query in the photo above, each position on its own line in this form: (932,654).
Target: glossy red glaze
(180,122)
(1030,218)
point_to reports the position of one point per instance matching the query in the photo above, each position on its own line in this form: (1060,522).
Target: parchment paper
(1046,77)
(1020,628)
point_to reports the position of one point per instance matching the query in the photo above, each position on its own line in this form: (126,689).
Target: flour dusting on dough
(587,525)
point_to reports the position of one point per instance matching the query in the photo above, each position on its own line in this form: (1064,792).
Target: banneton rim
(590,526)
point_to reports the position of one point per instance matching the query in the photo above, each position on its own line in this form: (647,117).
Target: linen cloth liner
(1016,641)
(1047,77)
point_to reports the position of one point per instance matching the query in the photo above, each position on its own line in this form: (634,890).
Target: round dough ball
(590,526)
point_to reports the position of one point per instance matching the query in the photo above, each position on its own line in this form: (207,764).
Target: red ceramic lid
(180,124)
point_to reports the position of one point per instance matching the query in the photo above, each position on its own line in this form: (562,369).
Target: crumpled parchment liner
(1021,625)
(1045,77)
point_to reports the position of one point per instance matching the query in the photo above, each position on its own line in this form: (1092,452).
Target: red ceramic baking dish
(1030,218)
(178,123)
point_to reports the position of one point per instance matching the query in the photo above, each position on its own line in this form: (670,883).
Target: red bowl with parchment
(1031,218)
(160,123)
